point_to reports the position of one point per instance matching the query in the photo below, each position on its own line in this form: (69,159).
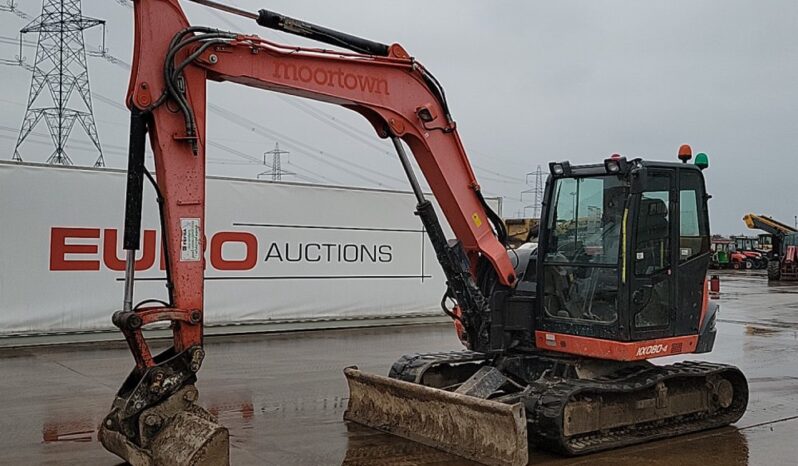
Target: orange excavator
(558,339)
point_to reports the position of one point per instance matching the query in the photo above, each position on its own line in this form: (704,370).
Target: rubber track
(546,404)
(546,411)
(411,367)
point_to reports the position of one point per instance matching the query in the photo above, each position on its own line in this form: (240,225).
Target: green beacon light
(701,161)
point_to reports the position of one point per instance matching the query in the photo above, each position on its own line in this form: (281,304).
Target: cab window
(652,248)
(693,228)
(652,253)
(581,257)
(586,221)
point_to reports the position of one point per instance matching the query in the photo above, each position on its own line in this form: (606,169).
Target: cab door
(652,273)
(693,252)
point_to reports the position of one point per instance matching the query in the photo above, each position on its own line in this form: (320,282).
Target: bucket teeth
(477,429)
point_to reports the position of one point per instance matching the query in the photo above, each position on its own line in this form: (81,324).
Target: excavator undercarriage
(568,405)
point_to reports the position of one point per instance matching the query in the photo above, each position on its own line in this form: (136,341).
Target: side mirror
(636,183)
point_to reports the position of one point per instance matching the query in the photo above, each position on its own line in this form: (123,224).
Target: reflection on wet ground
(283,396)
(761,331)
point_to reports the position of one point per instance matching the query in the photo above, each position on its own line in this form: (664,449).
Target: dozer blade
(481,430)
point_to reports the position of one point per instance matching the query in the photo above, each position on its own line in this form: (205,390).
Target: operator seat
(651,258)
(652,237)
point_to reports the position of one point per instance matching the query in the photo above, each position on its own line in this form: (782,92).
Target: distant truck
(785,264)
(783,254)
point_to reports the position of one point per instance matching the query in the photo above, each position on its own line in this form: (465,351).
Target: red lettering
(59,249)
(305,74)
(320,76)
(325,76)
(350,84)
(247,263)
(112,260)
(366,83)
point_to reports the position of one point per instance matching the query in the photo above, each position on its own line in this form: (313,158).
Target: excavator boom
(172,61)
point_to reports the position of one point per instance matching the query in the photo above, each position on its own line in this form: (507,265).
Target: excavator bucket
(175,433)
(482,430)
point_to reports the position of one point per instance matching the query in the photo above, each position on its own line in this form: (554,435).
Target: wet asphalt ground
(283,396)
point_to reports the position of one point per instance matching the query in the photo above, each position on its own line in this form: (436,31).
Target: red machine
(560,338)
(781,260)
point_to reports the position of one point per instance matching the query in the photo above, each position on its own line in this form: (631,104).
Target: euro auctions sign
(272,251)
(69,251)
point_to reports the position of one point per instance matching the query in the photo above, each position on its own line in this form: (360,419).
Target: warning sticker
(190,239)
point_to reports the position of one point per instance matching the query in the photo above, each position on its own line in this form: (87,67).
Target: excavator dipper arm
(172,61)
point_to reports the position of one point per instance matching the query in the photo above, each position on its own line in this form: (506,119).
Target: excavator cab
(623,252)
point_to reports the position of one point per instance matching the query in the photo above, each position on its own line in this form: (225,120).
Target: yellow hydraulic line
(623,245)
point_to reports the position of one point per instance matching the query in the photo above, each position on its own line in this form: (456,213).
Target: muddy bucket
(176,432)
(481,430)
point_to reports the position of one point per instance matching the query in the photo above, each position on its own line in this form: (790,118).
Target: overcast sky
(527,82)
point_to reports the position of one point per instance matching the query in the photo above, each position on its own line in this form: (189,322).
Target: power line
(40,138)
(60,66)
(316,178)
(16,41)
(313,152)
(100,52)
(497,158)
(276,171)
(232,116)
(343,127)
(251,160)
(333,122)
(536,190)
(368,139)
(11,6)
